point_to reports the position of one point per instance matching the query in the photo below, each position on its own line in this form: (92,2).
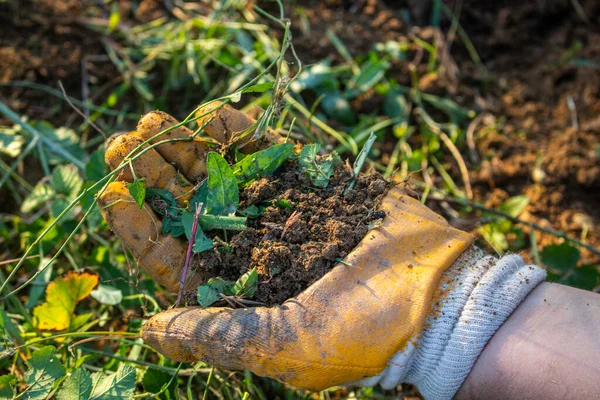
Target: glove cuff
(479,292)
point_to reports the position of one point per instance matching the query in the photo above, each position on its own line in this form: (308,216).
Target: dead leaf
(62,295)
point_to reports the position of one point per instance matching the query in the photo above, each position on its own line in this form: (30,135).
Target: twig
(290,221)
(78,111)
(188,256)
(16,259)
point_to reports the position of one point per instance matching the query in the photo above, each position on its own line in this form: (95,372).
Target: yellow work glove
(416,303)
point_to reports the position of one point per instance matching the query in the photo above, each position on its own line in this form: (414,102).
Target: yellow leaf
(62,295)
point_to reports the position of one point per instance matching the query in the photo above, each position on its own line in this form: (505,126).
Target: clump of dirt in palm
(301,233)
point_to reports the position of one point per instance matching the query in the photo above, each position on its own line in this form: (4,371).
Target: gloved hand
(416,303)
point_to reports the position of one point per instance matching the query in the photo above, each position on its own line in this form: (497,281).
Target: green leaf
(96,168)
(395,105)
(319,169)
(247,284)
(155,380)
(39,283)
(11,144)
(66,180)
(59,205)
(586,277)
(456,113)
(63,138)
(79,320)
(201,242)
(8,327)
(40,195)
(253,211)
(223,194)
(515,205)
(6,386)
(78,386)
(338,108)
(562,257)
(44,370)
(229,223)
(107,295)
(494,237)
(200,197)
(119,385)
(259,87)
(137,190)
(262,163)
(371,72)
(283,203)
(209,292)
(317,76)
(163,195)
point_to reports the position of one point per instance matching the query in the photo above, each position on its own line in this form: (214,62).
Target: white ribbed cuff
(482,292)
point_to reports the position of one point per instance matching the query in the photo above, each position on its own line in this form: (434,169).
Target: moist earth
(303,232)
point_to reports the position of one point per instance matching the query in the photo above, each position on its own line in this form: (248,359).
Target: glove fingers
(159,174)
(229,125)
(231,339)
(161,256)
(188,156)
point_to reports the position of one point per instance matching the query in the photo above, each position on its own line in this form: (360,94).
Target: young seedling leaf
(62,295)
(262,163)
(223,194)
(201,242)
(562,257)
(208,293)
(78,386)
(319,169)
(247,284)
(44,370)
(137,190)
(360,160)
(107,295)
(119,385)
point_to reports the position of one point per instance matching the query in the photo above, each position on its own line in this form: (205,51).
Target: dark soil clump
(302,232)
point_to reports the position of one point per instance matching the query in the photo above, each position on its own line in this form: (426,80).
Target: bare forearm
(548,348)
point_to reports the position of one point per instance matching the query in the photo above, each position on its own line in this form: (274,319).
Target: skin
(549,348)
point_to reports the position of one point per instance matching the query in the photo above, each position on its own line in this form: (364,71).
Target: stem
(188,256)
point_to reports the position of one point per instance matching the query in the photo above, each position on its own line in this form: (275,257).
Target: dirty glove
(416,301)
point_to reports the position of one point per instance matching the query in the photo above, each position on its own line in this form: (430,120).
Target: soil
(529,140)
(293,245)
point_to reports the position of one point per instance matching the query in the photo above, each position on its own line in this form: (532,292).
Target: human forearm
(548,348)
